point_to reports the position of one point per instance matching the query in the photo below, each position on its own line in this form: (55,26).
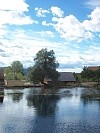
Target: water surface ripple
(33,110)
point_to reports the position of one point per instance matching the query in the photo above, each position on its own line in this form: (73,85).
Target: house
(66,78)
(1,78)
(93,68)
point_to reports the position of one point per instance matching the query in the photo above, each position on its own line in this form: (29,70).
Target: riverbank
(90,85)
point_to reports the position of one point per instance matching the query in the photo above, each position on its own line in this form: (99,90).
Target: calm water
(27,111)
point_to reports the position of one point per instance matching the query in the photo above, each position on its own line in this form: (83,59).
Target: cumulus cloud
(71,29)
(15,18)
(13,5)
(13,12)
(41,12)
(56,11)
(94,23)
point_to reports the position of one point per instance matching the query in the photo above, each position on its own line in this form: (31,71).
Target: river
(34,110)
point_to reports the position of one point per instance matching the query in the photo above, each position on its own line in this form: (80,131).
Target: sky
(71,28)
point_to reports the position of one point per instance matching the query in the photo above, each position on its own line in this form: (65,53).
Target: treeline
(91,75)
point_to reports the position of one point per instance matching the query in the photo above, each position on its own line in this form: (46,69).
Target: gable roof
(1,74)
(66,76)
(93,68)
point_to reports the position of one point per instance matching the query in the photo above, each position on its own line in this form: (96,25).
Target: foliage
(45,66)
(87,74)
(17,67)
(90,74)
(97,75)
(78,77)
(14,72)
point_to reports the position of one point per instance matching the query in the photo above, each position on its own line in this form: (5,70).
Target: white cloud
(44,23)
(13,12)
(23,46)
(45,34)
(15,18)
(13,5)
(40,12)
(71,29)
(2,32)
(57,11)
(94,23)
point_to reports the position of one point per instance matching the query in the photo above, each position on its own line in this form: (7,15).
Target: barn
(66,78)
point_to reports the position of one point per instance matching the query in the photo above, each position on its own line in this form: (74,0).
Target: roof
(93,68)
(66,76)
(1,74)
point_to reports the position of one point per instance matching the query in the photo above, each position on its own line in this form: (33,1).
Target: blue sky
(69,27)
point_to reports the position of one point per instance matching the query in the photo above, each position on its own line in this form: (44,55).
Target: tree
(88,74)
(17,67)
(97,75)
(45,66)
(14,72)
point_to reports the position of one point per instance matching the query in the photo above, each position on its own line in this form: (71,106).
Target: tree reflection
(45,104)
(87,101)
(16,96)
(1,99)
(1,95)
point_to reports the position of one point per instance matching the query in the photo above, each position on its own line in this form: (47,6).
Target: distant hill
(25,70)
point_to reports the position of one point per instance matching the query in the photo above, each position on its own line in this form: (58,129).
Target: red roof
(93,68)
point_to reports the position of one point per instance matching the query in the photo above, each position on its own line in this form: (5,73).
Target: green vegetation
(14,72)
(45,66)
(90,75)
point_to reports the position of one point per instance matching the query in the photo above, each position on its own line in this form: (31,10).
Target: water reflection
(1,95)
(1,99)
(16,95)
(45,104)
(34,110)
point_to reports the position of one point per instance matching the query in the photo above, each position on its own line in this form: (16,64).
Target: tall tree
(17,67)
(45,65)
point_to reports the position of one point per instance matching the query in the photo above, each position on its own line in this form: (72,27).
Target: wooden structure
(66,78)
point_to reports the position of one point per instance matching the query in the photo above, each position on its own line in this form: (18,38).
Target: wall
(14,83)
